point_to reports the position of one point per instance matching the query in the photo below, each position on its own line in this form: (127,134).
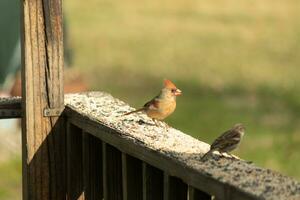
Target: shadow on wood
(48,166)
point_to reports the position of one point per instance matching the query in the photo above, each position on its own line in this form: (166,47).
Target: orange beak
(178,92)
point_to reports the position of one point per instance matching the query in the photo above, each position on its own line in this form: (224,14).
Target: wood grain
(43,146)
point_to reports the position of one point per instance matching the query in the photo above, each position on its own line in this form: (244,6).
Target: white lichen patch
(109,111)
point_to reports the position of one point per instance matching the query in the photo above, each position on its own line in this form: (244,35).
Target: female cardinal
(228,141)
(163,104)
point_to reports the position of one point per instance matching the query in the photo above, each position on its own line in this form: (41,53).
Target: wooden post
(42,93)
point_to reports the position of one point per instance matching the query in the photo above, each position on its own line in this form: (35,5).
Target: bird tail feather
(135,111)
(206,155)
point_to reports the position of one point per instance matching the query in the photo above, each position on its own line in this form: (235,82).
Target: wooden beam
(104,170)
(10,107)
(42,88)
(152,183)
(132,178)
(174,188)
(112,173)
(75,183)
(195,194)
(166,186)
(92,168)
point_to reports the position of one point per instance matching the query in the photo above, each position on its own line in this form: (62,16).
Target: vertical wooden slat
(104,171)
(195,194)
(177,189)
(43,147)
(112,173)
(166,186)
(124,176)
(74,163)
(132,178)
(92,168)
(152,183)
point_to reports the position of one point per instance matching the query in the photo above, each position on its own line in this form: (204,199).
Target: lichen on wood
(235,174)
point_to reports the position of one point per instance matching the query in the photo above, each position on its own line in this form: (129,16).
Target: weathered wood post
(43,100)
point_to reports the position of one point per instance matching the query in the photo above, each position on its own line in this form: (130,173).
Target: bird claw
(140,122)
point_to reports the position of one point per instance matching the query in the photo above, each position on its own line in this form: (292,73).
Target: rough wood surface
(175,152)
(42,87)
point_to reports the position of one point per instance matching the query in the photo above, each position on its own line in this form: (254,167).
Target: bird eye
(174,90)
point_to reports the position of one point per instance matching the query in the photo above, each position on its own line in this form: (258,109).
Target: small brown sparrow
(163,104)
(228,141)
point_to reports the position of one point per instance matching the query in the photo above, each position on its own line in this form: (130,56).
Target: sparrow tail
(206,155)
(138,110)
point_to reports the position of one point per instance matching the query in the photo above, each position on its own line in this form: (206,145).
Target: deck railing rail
(114,157)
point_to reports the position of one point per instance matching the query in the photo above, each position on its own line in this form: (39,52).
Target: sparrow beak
(178,92)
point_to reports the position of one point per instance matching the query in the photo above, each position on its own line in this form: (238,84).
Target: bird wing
(230,137)
(153,104)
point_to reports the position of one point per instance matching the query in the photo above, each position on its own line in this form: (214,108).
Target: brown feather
(154,102)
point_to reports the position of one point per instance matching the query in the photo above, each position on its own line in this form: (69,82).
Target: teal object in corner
(10,52)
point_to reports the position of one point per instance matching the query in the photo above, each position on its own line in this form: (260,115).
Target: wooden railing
(115,157)
(112,157)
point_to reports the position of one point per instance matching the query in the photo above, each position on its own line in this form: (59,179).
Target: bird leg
(230,156)
(225,154)
(155,122)
(167,125)
(140,122)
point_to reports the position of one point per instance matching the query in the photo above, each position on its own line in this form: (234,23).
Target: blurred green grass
(11,181)
(236,61)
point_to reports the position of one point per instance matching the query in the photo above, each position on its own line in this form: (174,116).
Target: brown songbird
(228,141)
(163,104)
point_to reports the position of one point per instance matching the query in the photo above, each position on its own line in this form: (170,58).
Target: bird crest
(169,84)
